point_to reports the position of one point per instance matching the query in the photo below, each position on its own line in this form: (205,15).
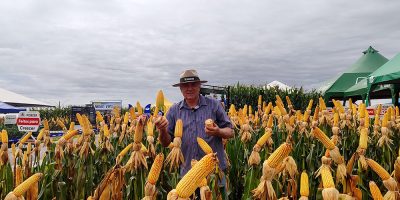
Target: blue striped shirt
(193,127)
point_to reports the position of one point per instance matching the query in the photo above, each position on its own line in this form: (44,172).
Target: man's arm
(225,133)
(162,125)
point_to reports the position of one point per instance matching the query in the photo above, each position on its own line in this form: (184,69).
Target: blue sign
(147,110)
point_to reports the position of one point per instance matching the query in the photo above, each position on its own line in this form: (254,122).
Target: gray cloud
(75,51)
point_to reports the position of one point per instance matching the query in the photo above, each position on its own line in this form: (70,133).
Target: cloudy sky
(75,51)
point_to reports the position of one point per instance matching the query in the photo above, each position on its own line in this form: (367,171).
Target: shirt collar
(202,102)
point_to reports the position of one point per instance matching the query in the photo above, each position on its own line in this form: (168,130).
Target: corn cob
(106,130)
(279,154)
(366,120)
(361,110)
(390,112)
(41,134)
(250,110)
(310,103)
(46,124)
(270,121)
(139,108)
(259,100)
(363,139)
(397,111)
(336,119)
(150,128)
(304,186)
(281,108)
(288,101)
(204,146)
(245,110)
(327,179)
(61,124)
(263,139)
(155,169)
(306,116)
(125,150)
(138,132)
(322,104)
(375,192)
(4,136)
(316,112)
(25,138)
(279,100)
(178,128)
(71,126)
(160,100)
(378,169)
(385,120)
(323,138)
(126,118)
(70,134)
(23,187)
(268,109)
(189,183)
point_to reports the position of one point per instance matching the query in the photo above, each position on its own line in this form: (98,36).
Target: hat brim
(178,84)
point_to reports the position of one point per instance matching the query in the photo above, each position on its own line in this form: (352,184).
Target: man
(194,110)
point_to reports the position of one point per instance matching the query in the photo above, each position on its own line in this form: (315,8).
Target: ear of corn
(327,179)
(126,118)
(25,138)
(139,108)
(304,186)
(61,124)
(125,150)
(288,100)
(323,138)
(4,136)
(160,100)
(189,183)
(363,139)
(375,192)
(204,146)
(361,110)
(106,130)
(281,108)
(268,108)
(23,187)
(279,154)
(263,139)
(178,128)
(138,132)
(70,134)
(322,103)
(366,120)
(385,120)
(378,169)
(46,124)
(336,119)
(316,111)
(155,169)
(150,128)
(71,126)
(310,103)
(270,121)
(259,100)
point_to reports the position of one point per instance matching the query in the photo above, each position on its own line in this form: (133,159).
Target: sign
(371,109)
(28,121)
(10,119)
(106,105)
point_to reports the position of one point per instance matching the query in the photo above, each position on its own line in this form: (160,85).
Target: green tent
(368,63)
(388,74)
(359,90)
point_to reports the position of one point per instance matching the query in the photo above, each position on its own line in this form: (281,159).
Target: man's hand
(213,130)
(161,123)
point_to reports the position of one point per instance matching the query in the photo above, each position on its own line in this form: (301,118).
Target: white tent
(18,100)
(278,84)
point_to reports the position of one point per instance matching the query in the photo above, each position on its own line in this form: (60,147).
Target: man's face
(190,91)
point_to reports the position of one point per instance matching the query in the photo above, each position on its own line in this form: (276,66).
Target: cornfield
(282,149)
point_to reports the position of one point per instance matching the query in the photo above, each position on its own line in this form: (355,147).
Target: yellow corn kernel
(363,139)
(4,136)
(378,169)
(178,128)
(304,186)
(23,187)
(190,182)
(336,119)
(279,154)
(323,138)
(375,192)
(204,146)
(327,179)
(160,100)
(25,138)
(155,169)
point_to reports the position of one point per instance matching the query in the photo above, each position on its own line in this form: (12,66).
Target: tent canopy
(359,90)
(5,108)
(364,66)
(389,72)
(18,100)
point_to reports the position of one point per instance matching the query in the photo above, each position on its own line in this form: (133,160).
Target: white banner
(106,105)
